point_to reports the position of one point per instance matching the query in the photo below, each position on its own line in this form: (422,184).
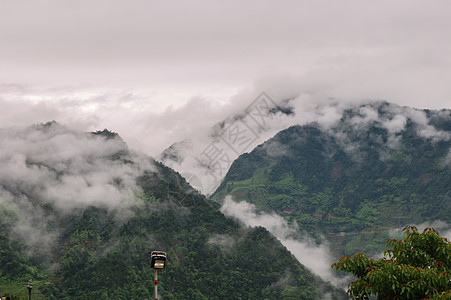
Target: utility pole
(156,283)
(29,286)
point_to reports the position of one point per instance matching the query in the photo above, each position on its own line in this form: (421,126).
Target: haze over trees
(80,211)
(379,168)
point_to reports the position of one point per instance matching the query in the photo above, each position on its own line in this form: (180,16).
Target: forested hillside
(80,211)
(379,168)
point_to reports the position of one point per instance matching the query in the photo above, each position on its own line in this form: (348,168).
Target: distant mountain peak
(209,157)
(50,125)
(108,134)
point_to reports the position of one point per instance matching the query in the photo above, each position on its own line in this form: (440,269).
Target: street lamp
(29,286)
(158,261)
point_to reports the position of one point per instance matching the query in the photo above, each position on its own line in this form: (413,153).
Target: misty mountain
(203,159)
(354,181)
(80,211)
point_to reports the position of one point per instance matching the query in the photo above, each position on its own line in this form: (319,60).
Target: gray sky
(153,68)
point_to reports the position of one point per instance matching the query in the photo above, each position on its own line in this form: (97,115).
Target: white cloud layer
(393,50)
(68,169)
(315,257)
(161,72)
(153,54)
(443,228)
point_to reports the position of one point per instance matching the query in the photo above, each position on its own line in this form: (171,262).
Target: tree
(417,267)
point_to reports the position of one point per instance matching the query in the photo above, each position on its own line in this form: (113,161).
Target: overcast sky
(134,64)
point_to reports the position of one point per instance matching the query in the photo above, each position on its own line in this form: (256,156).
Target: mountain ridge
(86,210)
(380,167)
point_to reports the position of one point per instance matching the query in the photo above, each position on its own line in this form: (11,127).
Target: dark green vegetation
(417,267)
(354,181)
(100,253)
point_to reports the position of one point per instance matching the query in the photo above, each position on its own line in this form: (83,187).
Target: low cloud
(66,167)
(195,123)
(69,170)
(209,154)
(443,228)
(18,112)
(314,256)
(225,242)
(29,223)
(389,117)
(275,149)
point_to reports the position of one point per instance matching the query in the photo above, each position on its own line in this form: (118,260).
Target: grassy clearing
(18,289)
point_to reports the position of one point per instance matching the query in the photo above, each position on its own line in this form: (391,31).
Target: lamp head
(158,259)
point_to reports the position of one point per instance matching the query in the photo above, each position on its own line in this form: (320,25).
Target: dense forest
(79,212)
(90,251)
(380,168)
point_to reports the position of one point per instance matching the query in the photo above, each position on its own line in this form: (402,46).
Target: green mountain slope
(380,167)
(79,213)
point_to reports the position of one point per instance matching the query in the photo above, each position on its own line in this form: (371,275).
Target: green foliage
(99,254)
(341,189)
(417,267)
(14,263)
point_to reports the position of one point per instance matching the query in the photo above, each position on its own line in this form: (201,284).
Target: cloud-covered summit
(50,170)
(206,157)
(70,169)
